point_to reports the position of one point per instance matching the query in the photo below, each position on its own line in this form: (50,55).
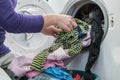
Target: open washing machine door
(30,42)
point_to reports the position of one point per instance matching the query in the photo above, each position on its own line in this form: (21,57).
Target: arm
(18,23)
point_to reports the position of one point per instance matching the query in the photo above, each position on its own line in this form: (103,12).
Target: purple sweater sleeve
(17,23)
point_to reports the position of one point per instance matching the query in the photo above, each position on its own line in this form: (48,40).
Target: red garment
(76,76)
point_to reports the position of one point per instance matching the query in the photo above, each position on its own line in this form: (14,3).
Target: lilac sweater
(13,22)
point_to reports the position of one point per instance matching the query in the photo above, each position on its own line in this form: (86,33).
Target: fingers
(53,30)
(67,27)
(69,23)
(73,22)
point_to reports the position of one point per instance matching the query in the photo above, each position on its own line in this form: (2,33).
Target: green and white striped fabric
(68,40)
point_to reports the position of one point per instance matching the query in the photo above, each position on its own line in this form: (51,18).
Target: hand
(50,30)
(65,22)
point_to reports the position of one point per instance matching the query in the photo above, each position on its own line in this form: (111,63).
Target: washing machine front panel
(111,45)
(57,5)
(30,42)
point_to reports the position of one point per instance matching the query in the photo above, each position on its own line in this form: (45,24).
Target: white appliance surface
(57,5)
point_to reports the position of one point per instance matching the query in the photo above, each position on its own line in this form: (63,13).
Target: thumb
(55,29)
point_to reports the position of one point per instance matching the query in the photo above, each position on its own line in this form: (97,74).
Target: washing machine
(30,42)
(57,5)
(108,63)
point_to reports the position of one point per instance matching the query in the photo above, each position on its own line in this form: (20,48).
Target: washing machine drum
(83,9)
(26,42)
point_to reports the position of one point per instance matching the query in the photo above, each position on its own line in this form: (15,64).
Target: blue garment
(42,76)
(80,34)
(13,22)
(58,73)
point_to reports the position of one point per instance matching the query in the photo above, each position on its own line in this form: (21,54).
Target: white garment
(7,58)
(21,65)
(3,61)
(59,54)
(3,75)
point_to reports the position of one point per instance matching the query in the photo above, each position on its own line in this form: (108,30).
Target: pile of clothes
(50,64)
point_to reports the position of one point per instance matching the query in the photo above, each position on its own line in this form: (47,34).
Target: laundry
(31,74)
(96,38)
(69,41)
(42,76)
(77,76)
(17,64)
(58,73)
(87,39)
(53,63)
(53,73)
(66,46)
(21,65)
(59,54)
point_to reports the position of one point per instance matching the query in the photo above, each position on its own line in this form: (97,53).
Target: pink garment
(32,74)
(87,39)
(54,63)
(59,54)
(21,65)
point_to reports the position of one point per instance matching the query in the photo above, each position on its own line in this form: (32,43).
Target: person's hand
(50,30)
(65,22)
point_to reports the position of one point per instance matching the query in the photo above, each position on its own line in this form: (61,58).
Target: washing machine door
(30,42)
